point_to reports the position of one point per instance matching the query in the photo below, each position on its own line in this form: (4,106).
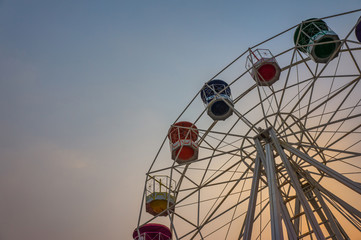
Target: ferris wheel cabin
(152,231)
(263,67)
(182,138)
(316,39)
(298,205)
(358,30)
(159,193)
(216,95)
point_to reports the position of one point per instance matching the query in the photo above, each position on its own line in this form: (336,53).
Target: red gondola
(263,67)
(182,137)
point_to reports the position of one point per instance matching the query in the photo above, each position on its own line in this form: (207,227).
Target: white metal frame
(264,172)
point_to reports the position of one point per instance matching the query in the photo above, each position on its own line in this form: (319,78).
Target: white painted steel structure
(287,163)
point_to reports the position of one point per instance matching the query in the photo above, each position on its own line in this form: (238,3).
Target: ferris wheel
(269,148)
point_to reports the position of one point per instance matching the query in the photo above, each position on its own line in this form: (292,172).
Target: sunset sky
(88,90)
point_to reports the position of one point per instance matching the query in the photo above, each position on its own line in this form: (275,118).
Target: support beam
(275,211)
(287,220)
(296,222)
(296,185)
(332,173)
(252,201)
(351,210)
(332,223)
(274,194)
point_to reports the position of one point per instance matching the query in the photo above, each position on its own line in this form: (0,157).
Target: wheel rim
(313,108)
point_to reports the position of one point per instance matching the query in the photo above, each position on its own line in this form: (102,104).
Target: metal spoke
(267,169)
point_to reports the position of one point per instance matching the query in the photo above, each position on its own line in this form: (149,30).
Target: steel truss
(285,165)
(307,193)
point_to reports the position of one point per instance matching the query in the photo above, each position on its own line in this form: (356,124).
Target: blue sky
(88,90)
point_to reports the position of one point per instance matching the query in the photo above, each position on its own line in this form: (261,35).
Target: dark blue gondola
(358,30)
(216,95)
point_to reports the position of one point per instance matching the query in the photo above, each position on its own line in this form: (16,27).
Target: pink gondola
(152,231)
